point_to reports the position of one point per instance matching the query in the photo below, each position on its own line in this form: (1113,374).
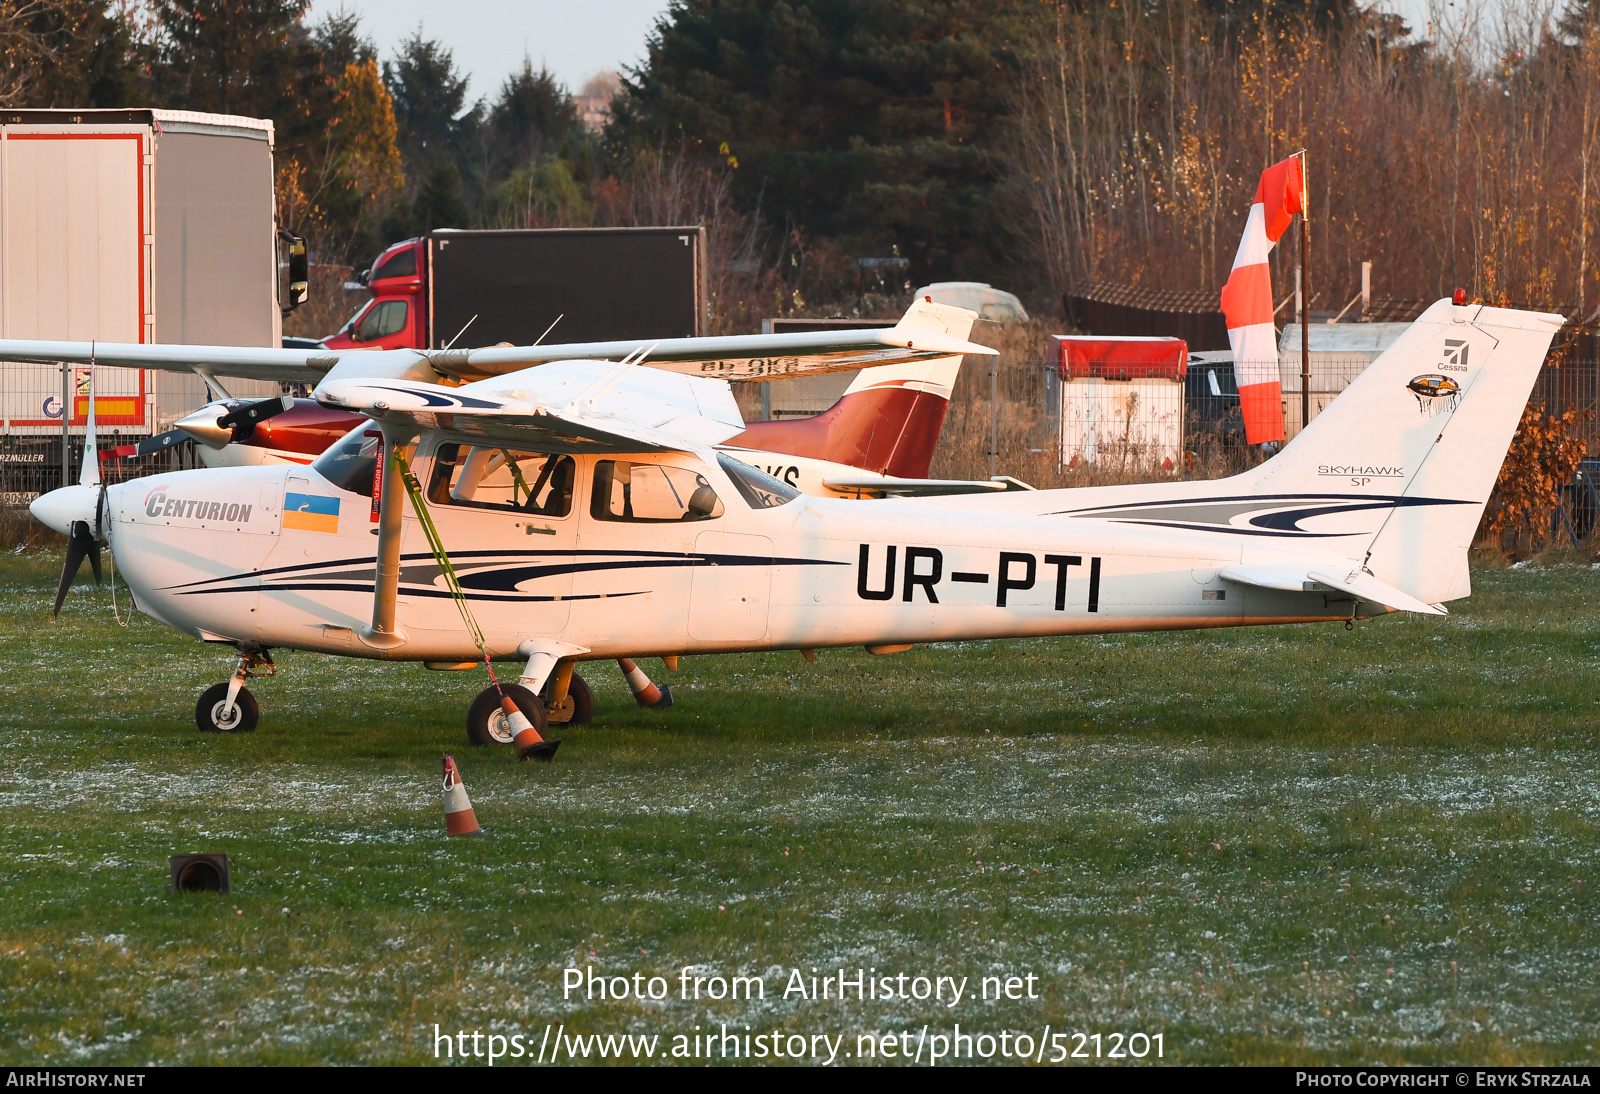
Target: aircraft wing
(729,357)
(732,357)
(1298,579)
(513,418)
(870,486)
(305,366)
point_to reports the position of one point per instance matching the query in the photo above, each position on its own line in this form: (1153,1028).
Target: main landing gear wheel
(209,715)
(486,720)
(577,709)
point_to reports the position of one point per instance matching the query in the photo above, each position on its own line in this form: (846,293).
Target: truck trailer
(479,288)
(127,226)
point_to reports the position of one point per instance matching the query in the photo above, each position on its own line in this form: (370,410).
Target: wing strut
(383,634)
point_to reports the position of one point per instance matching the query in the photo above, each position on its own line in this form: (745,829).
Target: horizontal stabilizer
(920,488)
(1301,579)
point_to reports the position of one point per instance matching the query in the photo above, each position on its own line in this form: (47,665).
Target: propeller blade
(90,474)
(93,548)
(78,545)
(244,419)
(161,442)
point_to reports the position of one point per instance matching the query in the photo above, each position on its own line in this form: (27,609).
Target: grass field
(1295,845)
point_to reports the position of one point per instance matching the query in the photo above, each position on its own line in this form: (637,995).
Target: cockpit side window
(487,477)
(757,487)
(651,493)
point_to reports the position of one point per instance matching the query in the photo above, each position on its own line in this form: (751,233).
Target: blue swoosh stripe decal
(634,559)
(405,590)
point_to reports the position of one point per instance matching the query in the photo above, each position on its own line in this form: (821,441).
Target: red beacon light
(1460,297)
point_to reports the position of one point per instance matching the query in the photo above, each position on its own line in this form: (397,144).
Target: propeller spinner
(217,425)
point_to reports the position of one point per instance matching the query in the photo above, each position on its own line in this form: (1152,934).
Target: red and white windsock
(1247,300)
(458,817)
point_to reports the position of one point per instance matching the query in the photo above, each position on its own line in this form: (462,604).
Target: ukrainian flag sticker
(310,512)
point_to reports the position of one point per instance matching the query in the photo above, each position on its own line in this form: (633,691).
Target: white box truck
(127,226)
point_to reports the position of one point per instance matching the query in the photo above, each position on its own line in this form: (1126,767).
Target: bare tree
(25,49)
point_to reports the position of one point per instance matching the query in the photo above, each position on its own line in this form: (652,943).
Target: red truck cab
(397,316)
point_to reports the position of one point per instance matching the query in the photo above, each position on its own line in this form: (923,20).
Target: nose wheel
(215,714)
(487,723)
(229,707)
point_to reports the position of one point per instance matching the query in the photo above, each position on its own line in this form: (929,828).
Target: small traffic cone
(458,816)
(526,739)
(645,693)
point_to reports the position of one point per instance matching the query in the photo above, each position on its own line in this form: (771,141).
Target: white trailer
(1339,353)
(129,226)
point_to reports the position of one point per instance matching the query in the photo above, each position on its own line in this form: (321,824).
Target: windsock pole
(1305,294)
(645,693)
(458,817)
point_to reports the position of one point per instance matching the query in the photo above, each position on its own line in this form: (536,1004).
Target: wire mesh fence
(30,466)
(40,403)
(1573,384)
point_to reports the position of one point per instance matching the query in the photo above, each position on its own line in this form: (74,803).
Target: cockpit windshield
(350,463)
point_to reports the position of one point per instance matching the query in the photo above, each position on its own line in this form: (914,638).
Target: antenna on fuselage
(550,328)
(592,393)
(463,330)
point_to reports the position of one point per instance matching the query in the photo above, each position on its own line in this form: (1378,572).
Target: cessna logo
(1455,355)
(161,504)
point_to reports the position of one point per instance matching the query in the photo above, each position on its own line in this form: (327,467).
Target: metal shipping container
(601,283)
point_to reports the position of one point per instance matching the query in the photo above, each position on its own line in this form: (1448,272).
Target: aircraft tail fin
(888,419)
(1404,460)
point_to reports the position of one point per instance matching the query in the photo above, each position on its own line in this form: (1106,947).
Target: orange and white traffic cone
(525,738)
(645,693)
(458,817)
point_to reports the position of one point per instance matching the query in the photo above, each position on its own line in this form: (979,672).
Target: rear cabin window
(380,321)
(403,264)
(651,493)
(349,464)
(757,487)
(502,478)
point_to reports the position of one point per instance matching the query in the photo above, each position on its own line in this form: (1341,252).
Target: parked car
(988,301)
(1213,420)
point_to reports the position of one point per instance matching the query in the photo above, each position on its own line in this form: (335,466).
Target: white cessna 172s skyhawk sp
(636,537)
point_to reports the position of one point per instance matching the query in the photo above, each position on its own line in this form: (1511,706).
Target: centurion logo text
(160,504)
